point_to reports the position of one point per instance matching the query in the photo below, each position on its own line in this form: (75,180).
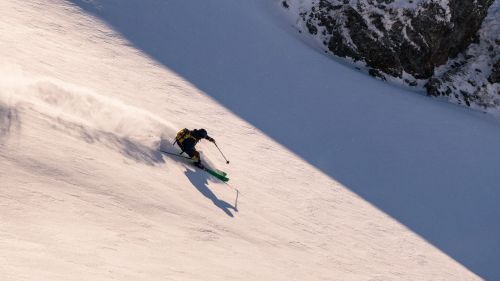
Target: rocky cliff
(439,43)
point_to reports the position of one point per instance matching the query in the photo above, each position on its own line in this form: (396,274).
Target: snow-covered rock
(473,78)
(397,38)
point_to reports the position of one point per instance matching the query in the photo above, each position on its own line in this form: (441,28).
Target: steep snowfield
(324,185)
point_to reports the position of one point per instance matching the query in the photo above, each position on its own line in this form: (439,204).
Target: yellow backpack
(182,135)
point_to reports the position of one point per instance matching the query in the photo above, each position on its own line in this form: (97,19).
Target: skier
(187,140)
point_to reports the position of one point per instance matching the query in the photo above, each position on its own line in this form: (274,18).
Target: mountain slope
(88,91)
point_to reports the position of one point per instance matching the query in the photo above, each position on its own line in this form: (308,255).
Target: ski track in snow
(86,98)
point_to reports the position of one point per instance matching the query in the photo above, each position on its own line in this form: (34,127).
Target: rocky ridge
(438,43)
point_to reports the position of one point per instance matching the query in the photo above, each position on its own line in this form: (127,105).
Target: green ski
(220,176)
(220,172)
(214,172)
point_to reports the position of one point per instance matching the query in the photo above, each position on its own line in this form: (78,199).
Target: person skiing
(187,140)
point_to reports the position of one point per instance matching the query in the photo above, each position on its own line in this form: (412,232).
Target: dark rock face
(451,46)
(495,73)
(393,39)
(473,78)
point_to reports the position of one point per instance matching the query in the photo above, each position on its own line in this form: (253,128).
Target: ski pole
(227,161)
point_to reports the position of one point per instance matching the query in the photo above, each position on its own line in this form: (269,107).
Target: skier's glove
(211,139)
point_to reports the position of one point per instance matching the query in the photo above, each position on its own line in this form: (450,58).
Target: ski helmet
(202,133)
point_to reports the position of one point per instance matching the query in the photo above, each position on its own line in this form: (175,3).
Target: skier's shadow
(200,182)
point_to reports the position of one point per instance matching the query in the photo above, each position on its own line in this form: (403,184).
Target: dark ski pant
(188,147)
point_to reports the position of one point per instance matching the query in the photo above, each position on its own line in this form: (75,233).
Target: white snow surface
(334,175)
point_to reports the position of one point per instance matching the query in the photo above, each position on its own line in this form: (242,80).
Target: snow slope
(324,185)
